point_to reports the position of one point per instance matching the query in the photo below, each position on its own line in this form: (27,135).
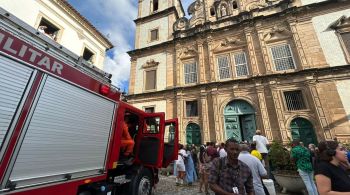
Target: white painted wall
(159,106)
(145,29)
(306,2)
(74,36)
(161,72)
(344,93)
(328,39)
(146,7)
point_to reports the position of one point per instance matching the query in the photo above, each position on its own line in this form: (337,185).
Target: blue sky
(114,19)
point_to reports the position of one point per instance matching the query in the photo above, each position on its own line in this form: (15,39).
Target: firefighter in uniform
(127,142)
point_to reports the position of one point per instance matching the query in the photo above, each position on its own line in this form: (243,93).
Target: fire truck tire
(142,183)
(85,193)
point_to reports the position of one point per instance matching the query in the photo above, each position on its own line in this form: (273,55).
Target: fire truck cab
(61,123)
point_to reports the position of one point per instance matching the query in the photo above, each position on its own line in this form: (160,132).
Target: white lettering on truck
(36,57)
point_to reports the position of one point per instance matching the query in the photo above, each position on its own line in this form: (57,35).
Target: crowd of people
(239,168)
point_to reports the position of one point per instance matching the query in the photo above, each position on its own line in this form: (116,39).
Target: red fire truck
(61,123)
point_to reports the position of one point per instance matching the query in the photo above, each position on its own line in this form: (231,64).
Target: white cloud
(114,18)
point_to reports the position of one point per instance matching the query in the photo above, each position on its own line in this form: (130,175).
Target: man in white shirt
(261,145)
(255,166)
(222,151)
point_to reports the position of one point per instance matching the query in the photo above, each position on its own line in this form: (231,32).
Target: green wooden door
(239,120)
(303,130)
(233,128)
(193,134)
(248,127)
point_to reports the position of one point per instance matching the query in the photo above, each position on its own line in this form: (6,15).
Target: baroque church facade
(235,66)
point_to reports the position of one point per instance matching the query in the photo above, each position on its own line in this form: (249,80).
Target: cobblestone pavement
(167,185)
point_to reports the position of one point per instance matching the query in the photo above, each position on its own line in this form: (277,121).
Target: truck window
(169,134)
(151,125)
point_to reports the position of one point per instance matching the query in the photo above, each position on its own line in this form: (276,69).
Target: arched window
(234,5)
(212,11)
(155,5)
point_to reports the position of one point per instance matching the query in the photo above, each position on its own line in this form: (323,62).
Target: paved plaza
(167,185)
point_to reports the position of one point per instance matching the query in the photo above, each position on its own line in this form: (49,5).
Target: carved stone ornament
(150,63)
(188,52)
(255,5)
(181,24)
(342,24)
(277,33)
(196,10)
(229,43)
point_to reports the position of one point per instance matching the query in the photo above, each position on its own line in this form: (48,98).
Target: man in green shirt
(302,157)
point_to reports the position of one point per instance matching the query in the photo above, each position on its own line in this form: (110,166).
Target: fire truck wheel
(142,183)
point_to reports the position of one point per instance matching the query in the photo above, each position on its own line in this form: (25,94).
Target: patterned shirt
(302,157)
(227,176)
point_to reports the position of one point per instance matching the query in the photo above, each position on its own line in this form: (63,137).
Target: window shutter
(155,5)
(282,57)
(151,79)
(346,40)
(241,64)
(224,68)
(190,73)
(191,108)
(154,34)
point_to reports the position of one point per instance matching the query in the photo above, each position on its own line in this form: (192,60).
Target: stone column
(279,111)
(265,53)
(205,118)
(179,114)
(211,59)
(218,134)
(201,63)
(319,110)
(178,65)
(251,51)
(298,44)
(132,75)
(263,109)
(170,67)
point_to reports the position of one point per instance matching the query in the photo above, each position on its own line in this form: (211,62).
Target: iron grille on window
(294,100)
(190,73)
(282,57)
(241,64)
(224,68)
(191,108)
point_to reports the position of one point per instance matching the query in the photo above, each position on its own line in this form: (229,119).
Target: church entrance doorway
(193,134)
(239,120)
(303,130)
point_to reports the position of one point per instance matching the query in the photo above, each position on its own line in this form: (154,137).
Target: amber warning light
(104,89)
